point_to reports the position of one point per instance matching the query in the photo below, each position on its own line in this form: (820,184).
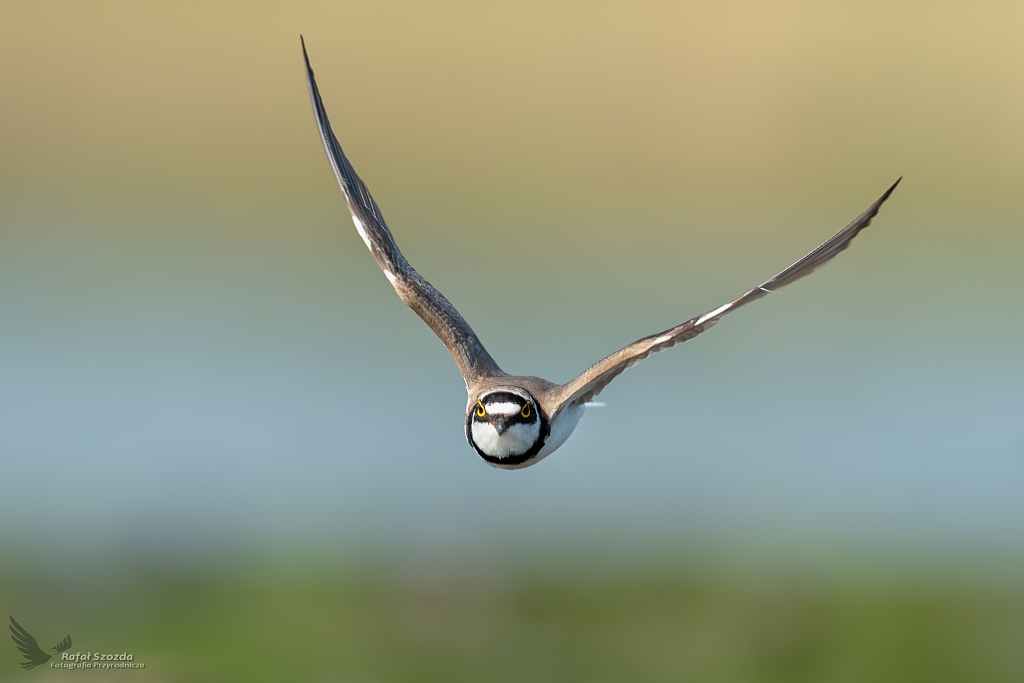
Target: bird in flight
(30,648)
(514,421)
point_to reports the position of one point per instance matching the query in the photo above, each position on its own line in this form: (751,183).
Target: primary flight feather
(514,421)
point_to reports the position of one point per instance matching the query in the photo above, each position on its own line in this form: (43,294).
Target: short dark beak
(500,424)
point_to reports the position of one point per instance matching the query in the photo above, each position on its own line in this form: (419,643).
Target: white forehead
(502,408)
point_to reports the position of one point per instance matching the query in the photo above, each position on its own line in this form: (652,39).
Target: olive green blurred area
(558,620)
(198,355)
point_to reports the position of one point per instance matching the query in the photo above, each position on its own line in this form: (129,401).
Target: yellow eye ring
(481,411)
(525,411)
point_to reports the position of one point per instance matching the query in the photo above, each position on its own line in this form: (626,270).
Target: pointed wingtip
(305,55)
(893,187)
(878,203)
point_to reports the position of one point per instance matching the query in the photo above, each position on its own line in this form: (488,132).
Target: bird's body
(500,432)
(515,421)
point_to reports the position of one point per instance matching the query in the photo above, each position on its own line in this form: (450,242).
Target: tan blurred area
(729,102)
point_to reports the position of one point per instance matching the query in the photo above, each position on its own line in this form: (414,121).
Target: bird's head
(506,427)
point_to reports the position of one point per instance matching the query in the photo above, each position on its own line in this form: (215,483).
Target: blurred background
(228,448)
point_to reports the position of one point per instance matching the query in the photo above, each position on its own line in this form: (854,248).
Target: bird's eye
(525,411)
(480,410)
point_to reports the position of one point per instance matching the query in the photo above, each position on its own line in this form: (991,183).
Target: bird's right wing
(597,376)
(446,322)
(27,645)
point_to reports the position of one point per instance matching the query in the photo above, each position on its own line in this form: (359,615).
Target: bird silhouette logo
(30,648)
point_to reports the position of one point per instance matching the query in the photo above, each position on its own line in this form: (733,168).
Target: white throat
(516,440)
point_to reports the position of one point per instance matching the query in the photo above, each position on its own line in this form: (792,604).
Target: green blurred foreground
(428,621)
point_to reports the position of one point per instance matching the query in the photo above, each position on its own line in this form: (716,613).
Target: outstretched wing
(597,376)
(63,645)
(27,645)
(446,322)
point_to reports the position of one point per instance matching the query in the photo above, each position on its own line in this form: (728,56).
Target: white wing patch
(390,276)
(714,314)
(361,229)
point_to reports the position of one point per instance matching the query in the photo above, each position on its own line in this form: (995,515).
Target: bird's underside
(481,373)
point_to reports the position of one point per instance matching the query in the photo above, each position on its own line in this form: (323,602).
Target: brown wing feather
(597,376)
(446,322)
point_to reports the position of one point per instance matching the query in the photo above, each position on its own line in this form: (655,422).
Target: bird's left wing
(598,375)
(470,355)
(27,645)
